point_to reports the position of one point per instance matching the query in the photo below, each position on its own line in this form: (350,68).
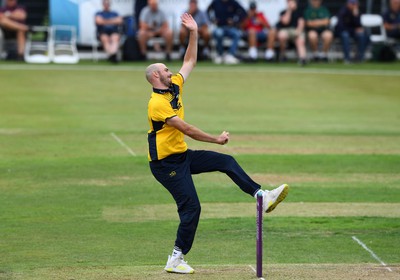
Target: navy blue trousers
(175,174)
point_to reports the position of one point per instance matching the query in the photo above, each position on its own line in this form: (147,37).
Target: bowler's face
(165,75)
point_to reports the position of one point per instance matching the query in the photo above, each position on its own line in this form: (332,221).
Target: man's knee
(229,161)
(312,36)
(218,33)
(190,209)
(235,34)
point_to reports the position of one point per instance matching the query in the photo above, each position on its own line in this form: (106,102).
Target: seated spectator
(227,15)
(349,26)
(107,23)
(153,23)
(317,19)
(291,27)
(391,19)
(257,30)
(202,22)
(12,22)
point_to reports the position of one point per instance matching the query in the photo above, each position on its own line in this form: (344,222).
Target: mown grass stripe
(154,212)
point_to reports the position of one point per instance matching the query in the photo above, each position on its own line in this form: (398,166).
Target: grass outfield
(78,200)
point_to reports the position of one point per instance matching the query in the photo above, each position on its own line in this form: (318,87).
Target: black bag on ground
(131,50)
(383,53)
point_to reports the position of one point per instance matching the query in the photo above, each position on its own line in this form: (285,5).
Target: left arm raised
(190,59)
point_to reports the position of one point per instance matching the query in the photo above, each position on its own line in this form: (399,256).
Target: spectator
(317,19)
(12,22)
(153,23)
(391,20)
(202,22)
(107,23)
(257,30)
(291,27)
(349,26)
(227,15)
(137,9)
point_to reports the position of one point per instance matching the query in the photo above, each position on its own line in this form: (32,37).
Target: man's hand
(223,138)
(189,22)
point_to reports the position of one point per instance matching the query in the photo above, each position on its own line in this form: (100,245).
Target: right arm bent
(197,134)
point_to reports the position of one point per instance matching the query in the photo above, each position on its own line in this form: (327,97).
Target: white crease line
(122,144)
(371,252)
(255,271)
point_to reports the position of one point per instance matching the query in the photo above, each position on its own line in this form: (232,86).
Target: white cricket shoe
(230,59)
(178,265)
(269,54)
(217,59)
(272,198)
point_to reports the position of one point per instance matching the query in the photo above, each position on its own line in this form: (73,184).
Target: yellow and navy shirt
(165,140)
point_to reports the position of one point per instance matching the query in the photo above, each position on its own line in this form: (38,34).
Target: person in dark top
(291,27)
(349,26)
(227,15)
(12,22)
(107,23)
(138,7)
(391,19)
(317,19)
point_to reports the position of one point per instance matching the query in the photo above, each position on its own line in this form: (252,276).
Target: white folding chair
(1,44)
(373,21)
(38,48)
(64,44)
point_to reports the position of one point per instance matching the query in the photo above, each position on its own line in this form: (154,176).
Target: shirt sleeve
(163,17)
(162,111)
(178,80)
(143,15)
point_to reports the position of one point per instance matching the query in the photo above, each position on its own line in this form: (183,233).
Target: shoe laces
(182,260)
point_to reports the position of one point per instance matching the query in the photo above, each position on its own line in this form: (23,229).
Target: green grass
(331,132)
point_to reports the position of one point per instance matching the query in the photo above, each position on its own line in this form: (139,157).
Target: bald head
(153,4)
(158,75)
(150,71)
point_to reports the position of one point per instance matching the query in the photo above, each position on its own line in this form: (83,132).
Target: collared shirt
(225,11)
(312,13)
(392,17)
(256,23)
(200,18)
(108,27)
(347,21)
(165,140)
(294,19)
(154,19)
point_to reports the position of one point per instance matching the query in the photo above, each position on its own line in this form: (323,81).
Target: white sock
(176,253)
(259,192)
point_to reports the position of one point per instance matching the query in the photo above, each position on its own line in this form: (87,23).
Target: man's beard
(165,81)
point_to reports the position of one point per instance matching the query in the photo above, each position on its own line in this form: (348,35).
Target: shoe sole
(280,198)
(171,270)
